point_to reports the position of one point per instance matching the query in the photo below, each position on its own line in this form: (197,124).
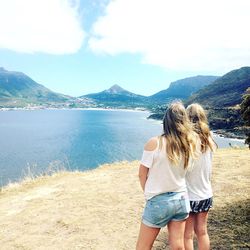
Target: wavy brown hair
(180,138)
(198,117)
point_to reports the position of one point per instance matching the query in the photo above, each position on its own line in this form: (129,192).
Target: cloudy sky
(77,47)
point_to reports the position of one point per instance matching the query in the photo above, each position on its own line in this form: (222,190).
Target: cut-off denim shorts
(166,207)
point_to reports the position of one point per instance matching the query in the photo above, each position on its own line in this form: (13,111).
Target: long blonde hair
(180,138)
(198,117)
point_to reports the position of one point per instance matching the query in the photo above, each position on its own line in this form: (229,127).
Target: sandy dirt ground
(101,209)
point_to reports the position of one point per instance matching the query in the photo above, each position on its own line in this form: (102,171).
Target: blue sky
(86,46)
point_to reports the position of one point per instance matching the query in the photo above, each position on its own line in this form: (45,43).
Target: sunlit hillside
(101,209)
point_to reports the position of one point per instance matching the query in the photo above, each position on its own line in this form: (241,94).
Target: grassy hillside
(17,89)
(224,92)
(222,99)
(101,209)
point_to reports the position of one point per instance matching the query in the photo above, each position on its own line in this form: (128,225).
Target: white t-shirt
(199,176)
(162,175)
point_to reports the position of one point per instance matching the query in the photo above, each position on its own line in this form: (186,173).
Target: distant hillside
(226,91)
(116,96)
(18,89)
(183,88)
(222,98)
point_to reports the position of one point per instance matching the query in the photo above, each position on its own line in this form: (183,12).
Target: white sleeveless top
(199,176)
(162,175)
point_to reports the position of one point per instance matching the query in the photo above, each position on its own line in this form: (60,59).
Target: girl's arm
(147,160)
(143,173)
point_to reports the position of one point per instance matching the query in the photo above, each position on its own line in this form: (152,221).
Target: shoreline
(229,134)
(98,109)
(218,132)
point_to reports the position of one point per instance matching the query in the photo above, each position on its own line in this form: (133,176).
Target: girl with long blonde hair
(199,181)
(164,163)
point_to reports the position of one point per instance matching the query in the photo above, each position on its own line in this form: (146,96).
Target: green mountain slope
(222,98)
(183,88)
(224,92)
(19,89)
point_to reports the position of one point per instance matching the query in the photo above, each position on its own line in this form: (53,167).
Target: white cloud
(177,34)
(49,26)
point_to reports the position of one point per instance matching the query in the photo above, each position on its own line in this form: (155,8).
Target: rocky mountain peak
(115,89)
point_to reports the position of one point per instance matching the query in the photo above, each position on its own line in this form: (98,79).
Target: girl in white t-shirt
(162,177)
(198,182)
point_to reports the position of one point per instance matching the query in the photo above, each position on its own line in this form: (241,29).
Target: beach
(101,208)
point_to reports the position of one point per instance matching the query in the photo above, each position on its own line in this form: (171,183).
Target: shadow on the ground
(228,228)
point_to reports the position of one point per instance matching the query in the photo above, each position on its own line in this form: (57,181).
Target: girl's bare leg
(176,234)
(200,228)
(146,237)
(189,232)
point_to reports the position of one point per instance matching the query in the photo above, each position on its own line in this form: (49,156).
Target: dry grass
(101,209)
(229,220)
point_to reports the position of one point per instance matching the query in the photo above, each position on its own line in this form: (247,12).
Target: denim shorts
(166,207)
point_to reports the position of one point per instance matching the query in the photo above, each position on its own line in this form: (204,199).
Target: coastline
(229,134)
(225,133)
(91,108)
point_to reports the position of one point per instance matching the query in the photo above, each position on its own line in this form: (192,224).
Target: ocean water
(72,139)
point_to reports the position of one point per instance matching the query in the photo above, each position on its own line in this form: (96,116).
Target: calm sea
(73,139)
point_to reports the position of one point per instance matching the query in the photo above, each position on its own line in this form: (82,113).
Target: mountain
(117,90)
(116,96)
(183,88)
(222,98)
(226,91)
(17,89)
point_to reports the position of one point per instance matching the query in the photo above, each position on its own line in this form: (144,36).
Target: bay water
(38,140)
